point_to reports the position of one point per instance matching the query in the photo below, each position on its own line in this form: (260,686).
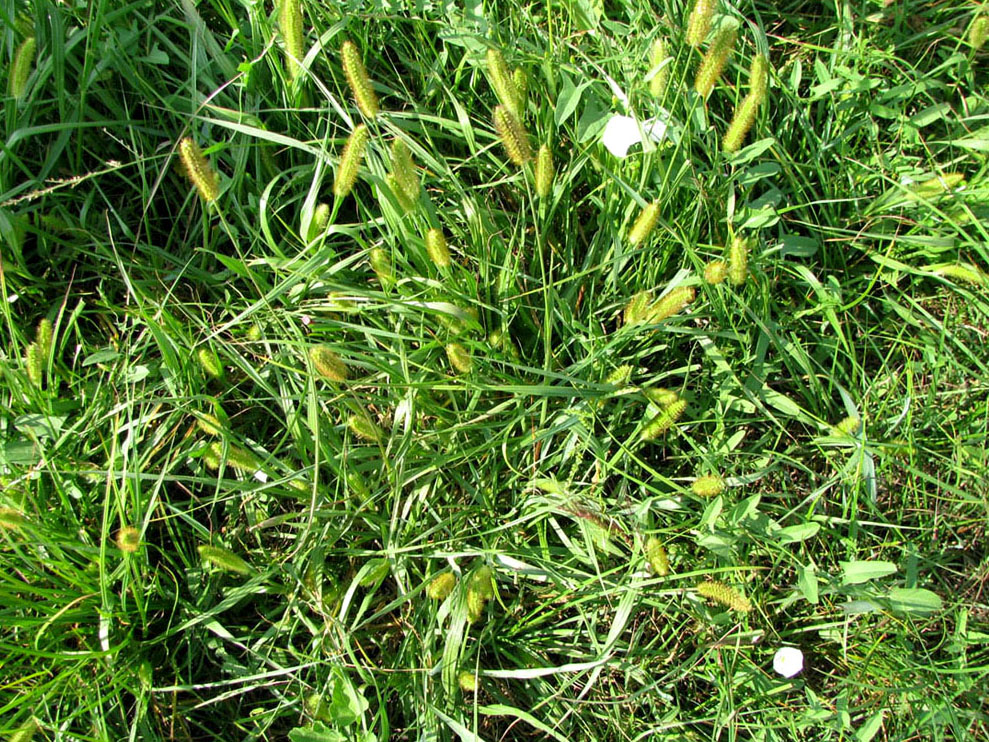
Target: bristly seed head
(644,224)
(459,358)
(360,82)
(699,22)
(714,61)
(513,136)
(503,82)
(437,249)
(350,161)
(199,170)
(721,593)
(544,171)
(290,24)
(709,485)
(328,364)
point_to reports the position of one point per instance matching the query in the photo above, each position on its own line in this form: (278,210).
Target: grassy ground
(260,429)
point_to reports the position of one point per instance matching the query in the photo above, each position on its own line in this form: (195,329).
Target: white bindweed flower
(621,132)
(789,661)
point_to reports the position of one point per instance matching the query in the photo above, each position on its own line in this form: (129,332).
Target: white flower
(621,132)
(789,661)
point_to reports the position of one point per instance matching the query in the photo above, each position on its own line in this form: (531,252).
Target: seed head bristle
(224,559)
(710,485)
(699,22)
(738,261)
(199,170)
(657,557)
(644,224)
(503,82)
(513,136)
(459,358)
(722,593)
(290,24)
(544,171)
(437,249)
(328,364)
(350,161)
(20,68)
(714,61)
(716,271)
(358,79)
(661,75)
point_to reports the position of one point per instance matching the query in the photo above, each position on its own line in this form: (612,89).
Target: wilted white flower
(621,132)
(789,661)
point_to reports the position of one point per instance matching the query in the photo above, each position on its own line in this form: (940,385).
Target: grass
(263,427)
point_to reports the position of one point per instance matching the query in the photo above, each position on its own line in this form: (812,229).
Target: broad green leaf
(854,573)
(318,732)
(807,580)
(795,534)
(568,99)
(867,731)
(914,600)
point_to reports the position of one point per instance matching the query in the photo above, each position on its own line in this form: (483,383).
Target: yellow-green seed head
(364,428)
(722,593)
(638,307)
(672,303)
(699,22)
(437,249)
(714,61)
(741,122)
(459,358)
(513,136)
(128,539)
(237,458)
(224,559)
(661,397)
(20,68)
(328,364)
(475,606)
(848,426)
(620,377)
(656,556)
(43,339)
(199,170)
(404,202)
(404,170)
(544,171)
(665,420)
(503,82)
(521,80)
(644,225)
(738,261)
(290,24)
(360,82)
(467,681)
(25,733)
(382,267)
(759,78)
(483,581)
(210,363)
(716,271)
(209,424)
(350,161)
(12,520)
(660,74)
(320,218)
(34,365)
(441,586)
(710,485)
(978,33)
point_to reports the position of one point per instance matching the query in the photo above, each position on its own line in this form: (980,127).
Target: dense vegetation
(354,389)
